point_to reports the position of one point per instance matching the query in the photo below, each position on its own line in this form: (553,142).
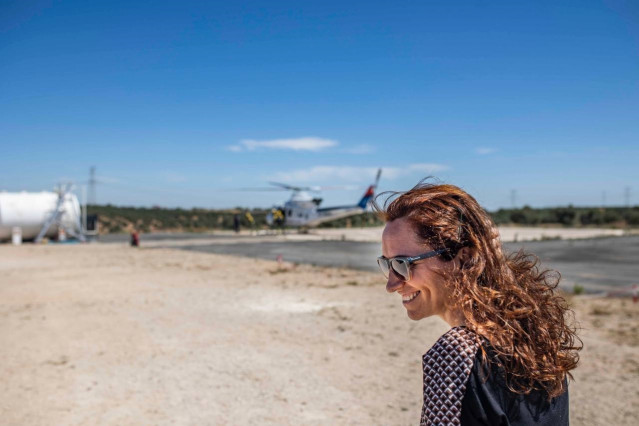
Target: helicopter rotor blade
(338,188)
(259,189)
(317,188)
(291,187)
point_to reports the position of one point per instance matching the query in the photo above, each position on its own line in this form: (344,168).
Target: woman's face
(425,293)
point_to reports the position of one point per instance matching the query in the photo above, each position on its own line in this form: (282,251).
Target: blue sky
(174,102)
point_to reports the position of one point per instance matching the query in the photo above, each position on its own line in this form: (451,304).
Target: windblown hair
(507,300)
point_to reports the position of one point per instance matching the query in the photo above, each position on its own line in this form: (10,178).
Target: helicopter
(303,211)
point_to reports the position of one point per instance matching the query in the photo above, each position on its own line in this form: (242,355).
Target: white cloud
(355,174)
(308,143)
(485,150)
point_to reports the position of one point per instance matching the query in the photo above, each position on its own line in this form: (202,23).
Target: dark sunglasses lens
(401,267)
(383,266)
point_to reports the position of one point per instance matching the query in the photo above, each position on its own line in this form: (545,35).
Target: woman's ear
(462,256)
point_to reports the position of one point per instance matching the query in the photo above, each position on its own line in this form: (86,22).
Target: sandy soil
(107,334)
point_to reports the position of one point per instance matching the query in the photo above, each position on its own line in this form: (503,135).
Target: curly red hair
(508,300)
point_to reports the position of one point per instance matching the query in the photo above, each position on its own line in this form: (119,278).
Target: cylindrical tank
(30,210)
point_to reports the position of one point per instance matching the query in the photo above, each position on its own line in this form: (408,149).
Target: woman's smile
(409,297)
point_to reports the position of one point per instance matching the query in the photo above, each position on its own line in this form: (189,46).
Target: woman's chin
(414,315)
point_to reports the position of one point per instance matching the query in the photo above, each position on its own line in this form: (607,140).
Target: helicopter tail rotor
(370,192)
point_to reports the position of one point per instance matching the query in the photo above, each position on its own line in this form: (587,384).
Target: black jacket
(488,402)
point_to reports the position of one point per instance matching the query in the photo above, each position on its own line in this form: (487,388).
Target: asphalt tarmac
(599,264)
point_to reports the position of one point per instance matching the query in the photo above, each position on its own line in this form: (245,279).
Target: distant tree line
(569,216)
(114,219)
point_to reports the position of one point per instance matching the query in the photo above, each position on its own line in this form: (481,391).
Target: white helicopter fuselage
(300,210)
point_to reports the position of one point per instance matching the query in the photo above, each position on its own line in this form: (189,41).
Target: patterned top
(458,391)
(447,366)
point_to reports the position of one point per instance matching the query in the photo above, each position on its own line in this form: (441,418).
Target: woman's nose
(393,284)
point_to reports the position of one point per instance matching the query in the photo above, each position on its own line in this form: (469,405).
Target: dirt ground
(107,334)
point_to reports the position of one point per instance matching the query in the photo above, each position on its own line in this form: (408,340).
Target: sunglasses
(401,264)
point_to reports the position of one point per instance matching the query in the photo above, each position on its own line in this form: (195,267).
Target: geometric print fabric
(447,366)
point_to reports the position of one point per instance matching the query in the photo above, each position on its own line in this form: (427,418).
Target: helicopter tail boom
(370,192)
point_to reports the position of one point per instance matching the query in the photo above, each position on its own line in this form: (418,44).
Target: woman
(506,359)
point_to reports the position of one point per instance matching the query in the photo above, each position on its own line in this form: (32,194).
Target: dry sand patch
(107,334)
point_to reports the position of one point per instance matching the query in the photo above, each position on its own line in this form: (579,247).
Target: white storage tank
(29,211)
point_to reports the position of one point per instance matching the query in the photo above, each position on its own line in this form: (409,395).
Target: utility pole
(513,198)
(603,198)
(84,209)
(626,195)
(92,182)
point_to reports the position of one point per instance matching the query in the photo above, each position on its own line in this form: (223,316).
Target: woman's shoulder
(456,342)
(451,357)
(447,366)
